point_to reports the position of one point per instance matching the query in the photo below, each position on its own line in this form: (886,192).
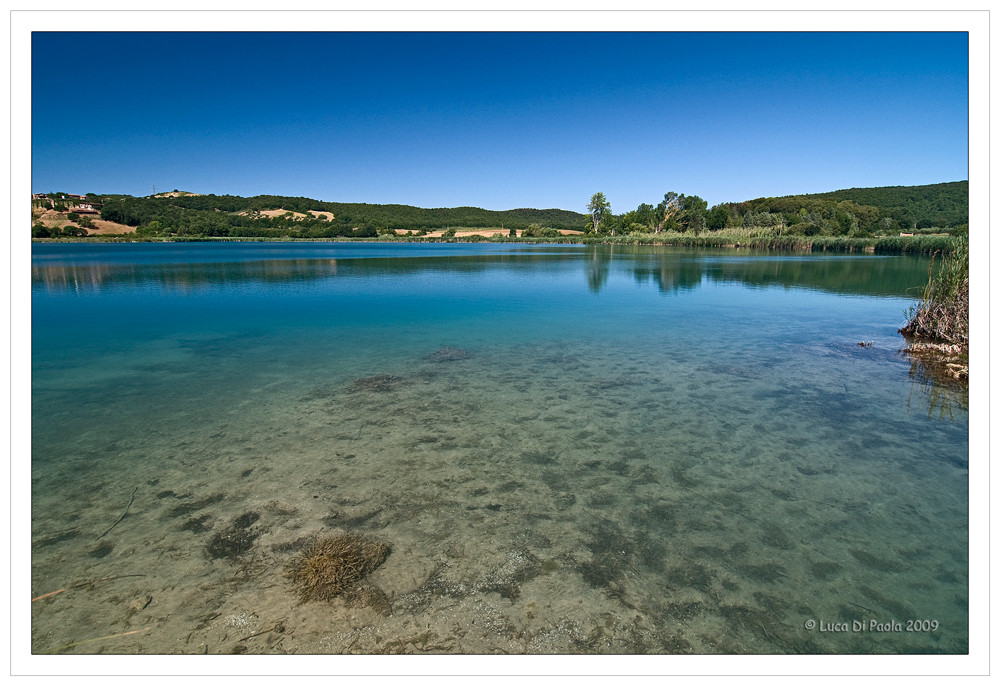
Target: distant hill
(404,217)
(934,205)
(853,211)
(274,215)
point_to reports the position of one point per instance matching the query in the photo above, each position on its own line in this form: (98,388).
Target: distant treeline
(229,215)
(851,213)
(906,208)
(920,207)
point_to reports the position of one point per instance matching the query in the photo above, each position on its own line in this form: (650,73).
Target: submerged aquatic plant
(333,565)
(449,354)
(381,383)
(237,539)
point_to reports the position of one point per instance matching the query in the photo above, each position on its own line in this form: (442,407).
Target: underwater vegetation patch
(236,539)
(102,550)
(381,383)
(56,538)
(448,354)
(334,564)
(539,458)
(690,575)
(196,524)
(878,564)
(195,505)
(506,579)
(823,570)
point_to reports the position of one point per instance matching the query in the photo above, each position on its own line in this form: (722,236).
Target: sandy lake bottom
(637,492)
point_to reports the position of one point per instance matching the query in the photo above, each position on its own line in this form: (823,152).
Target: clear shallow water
(569,449)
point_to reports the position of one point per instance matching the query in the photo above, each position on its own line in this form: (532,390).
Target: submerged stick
(265,631)
(100,638)
(84,583)
(130,501)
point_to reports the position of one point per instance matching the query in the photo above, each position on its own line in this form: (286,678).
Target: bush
(536,231)
(450,233)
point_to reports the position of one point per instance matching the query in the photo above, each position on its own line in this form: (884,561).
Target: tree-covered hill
(221,215)
(939,204)
(852,213)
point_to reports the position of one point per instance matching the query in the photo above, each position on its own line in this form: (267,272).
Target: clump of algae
(332,565)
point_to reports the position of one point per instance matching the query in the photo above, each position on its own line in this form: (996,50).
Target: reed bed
(756,238)
(942,316)
(768,239)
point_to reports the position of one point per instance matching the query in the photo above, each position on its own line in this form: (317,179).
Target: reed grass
(770,239)
(761,238)
(942,316)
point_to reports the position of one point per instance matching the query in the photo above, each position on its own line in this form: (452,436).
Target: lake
(567,449)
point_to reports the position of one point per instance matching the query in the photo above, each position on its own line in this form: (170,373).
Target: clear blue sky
(497,120)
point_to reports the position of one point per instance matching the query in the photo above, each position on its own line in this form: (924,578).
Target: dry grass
(52,219)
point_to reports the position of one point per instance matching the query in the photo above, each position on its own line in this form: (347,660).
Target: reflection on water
(670,269)
(936,388)
(568,450)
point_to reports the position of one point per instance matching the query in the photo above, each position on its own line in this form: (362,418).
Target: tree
(691,214)
(666,210)
(717,217)
(645,214)
(599,208)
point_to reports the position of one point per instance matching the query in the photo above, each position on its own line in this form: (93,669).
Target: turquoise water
(569,449)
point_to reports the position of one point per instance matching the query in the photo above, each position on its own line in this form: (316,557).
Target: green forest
(854,213)
(228,215)
(850,213)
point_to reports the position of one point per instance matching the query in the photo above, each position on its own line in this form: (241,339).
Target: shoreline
(888,245)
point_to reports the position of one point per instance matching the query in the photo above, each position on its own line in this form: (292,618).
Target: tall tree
(693,210)
(599,208)
(666,210)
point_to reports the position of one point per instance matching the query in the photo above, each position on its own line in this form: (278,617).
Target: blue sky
(497,120)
